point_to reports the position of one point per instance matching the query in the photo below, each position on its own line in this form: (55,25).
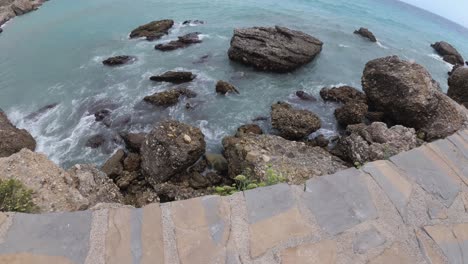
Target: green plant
(15,197)
(358,165)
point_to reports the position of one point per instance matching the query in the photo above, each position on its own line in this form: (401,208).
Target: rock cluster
(448,52)
(182,42)
(169,97)
(11,8)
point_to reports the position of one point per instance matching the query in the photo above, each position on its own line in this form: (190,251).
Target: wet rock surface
(34,116)
(169,97)
(366,33)
(448,53)
(276,49)
(305,96)
(351,113)
(182,42)
(342,94)
(249,129)
(223,88)
(458,86)
(119,60)
(153,30)
(174,77)
(13,139)
(293,123)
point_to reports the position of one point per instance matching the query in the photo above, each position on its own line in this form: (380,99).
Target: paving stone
(453,156)
(424,167)
(431,255)
(27,258)
(324,252)
(152,235)
(397,187)
(339,201)
(118,238)
(445,238)
(463,134)
(460,143)
(465,200)
(202,228)
(395,254)
(366,240)
(3,218)
(436,211)
(461,233)
(273,217)
(63,235)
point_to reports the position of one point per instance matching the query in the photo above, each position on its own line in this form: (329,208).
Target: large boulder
(448,52)
(169,149)
(254,154)
(458,86)
(54,189)
(153,30)
(342,94)
(351,113)
(407,94)
(374,142)
(364,32)
(276,49)
(293,124)
(13,139)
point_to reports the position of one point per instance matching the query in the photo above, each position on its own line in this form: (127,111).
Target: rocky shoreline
(401,107)
(12,8)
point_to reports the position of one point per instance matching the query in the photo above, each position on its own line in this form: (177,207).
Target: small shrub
(15,197)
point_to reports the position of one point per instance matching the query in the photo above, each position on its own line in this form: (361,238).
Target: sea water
(54,55)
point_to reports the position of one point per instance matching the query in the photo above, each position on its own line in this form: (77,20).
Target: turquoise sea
(54,55)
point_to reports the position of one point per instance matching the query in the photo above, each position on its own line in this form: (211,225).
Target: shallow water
(54,55)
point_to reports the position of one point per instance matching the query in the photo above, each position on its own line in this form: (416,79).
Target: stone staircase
(411,208)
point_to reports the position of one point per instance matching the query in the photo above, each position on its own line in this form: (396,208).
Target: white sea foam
(381,45)
(343,46)
(439,58)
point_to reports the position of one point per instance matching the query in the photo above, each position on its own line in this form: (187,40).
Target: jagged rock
(131,162)
(249,129)
(40,112)
(364,32)
(169,97)
(113,167)
(458,86)
(133,141)
(118,60)
(153,30)
(374,142)
(293,123)
(343,94)
(21,7)
(174,77)
(296,161)
(166,152)
(408,95)
(305,96)
(351,113)
(223,87)
(13,139)
(182,42)
(276,49)
(95,141)
(448,52)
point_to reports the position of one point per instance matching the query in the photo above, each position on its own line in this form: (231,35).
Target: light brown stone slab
(152,235)
(270,232)
(27,258)
(464,196)
(202,227)
(393,255)
(3,217)
(446,240)
(324,252)
(428,252)
(118,237)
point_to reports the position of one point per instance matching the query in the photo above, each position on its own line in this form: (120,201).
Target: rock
(153,30)
(113,167)
(292,123)
(448,52)
(249,129)
(260,118)
(182,42)
(174,77)
(374,142)
(51,185)
(12,139)
(169,97)
(193,22)
(1,30)
(322,141)
(294,160)
(343,94)
(458,86)
(131,163)
(375,116)
(101,114)
(133,141)
(40,112)
(455,67)
(202,59)
(305,96)
(126,179)
(118,60)
(94,185)
(351,113)
(217,162)
(223,87)
(168,192)
(95,141)
(364,32)
(276,49)
(165,153)
(21,7)
(408,95)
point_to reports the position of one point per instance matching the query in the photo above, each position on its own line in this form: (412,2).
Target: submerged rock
(364,32)
(223,87)
(193,22)
(40,112)
(276,49)
(351,113)
(293,123)
(153,30)
(169,97)
(408,95)
(458,86)
(343,94)
(182,42)
(305,96)
(375,142)
(174,77)
(169,149)
(95,141)
(118,60)
(13,139)
(249,129)
(296,161)
(448,52)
